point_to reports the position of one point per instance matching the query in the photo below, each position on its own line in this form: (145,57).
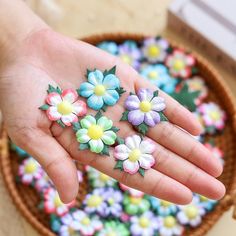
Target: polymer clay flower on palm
(158,75)
(96,133)
(213,117)
(144,109)
(102,89)
(134,155)
(180,64)
(155,49)
(63,106)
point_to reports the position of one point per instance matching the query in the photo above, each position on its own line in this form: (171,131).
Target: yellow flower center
(111,201)
(152,75)
(57,201)
(145,106)
(214,115)
(95,132)
(153,51)
(135,200)
(134,155)
(85,221)
(94,201)
(30,168)
(99,90)
(178,64)
(65,108)
(169,222)
(111,234)
(144,222)
(126,59)
(165,203)
(191,212)
(104,177)
(203,198)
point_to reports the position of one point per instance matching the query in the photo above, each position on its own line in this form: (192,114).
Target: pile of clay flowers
(111,208)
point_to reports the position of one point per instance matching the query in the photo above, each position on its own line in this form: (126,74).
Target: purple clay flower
(144,108)
(130,54)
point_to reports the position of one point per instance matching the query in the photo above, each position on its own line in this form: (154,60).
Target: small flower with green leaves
(63,106)
(102,89)
(144,109)
(96,133)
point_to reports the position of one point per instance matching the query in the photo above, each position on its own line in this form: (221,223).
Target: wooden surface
(78,18)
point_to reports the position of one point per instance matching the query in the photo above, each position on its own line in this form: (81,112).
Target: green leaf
(61,123)
(131,93)
(44,107)
(120,140)
(141,171)
(120,91)
(115,129)
(155,94)
(105,150)
(119,165)
(51,89)
(186,97)
(87,72)
(98,115)
(83,146)
(111,71)
(163,117)
(104,108)
(124,116)
(143,128)
(76,126)
(194,70)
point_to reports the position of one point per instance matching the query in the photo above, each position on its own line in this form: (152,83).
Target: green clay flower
(135,205)
(96,133)
(113,228)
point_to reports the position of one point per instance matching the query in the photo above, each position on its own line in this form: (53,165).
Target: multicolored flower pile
(111,208)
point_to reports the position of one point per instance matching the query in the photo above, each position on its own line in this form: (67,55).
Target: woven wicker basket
(26,199)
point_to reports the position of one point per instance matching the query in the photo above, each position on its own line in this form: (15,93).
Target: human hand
(182,164)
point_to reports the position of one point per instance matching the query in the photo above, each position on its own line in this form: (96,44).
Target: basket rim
(6,168)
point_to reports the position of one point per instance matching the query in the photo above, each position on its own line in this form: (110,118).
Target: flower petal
(80,108)
(147,146)
(53,99)
(82,136)
(95,102)
(121,152)
(130,166)
(146,161)
(68,119)
(96,145)
(111,97)
(86,89)
(95,77)
(53,114)
(132,102)
(87,121)
(109,137)
(111,82)
(69,95)
(136,117)
(145,94)
(133,142)
(158,104)
(152,118)
(105,123)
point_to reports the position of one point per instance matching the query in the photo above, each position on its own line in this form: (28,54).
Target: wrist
(17,23)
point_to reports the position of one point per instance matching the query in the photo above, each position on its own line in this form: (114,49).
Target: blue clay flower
(162,207)
(109,46)
(100,90)
(159,76)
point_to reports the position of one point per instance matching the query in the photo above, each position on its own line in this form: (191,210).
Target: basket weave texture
(26,199)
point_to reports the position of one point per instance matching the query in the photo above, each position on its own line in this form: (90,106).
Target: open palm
(182,164)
